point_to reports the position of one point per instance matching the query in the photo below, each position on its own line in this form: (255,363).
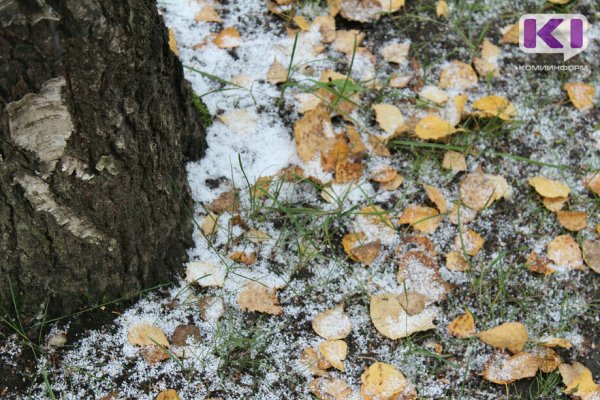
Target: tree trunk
(97,122)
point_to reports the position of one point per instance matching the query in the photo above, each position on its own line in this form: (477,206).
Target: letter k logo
(545,33)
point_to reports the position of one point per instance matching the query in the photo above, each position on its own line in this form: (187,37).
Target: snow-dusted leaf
(331,389)
(334,351)
(204,274)
(504,369)
(389,117)
(332,324)
(463,325)
(591,254)
(510,335)
(457,75)
(392,320)
(454,161)
(564,251)
(495,106)
(581,94)
(146,334)
(228,38)
(255,297)
(382,381)
(423,219)
(433,127)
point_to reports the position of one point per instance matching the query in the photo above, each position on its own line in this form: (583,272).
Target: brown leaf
(243,257)
(184,332)
(255,297)
(314,361)
(437,198)
(418,271)
(226,202)
(367,253)
(153,354)
(309,132)
(330,389)
(539,265)
(463,325)
(591,254)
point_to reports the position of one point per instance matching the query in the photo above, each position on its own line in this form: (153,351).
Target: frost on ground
(311,236)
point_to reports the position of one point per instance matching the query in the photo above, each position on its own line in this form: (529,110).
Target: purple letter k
(545,33)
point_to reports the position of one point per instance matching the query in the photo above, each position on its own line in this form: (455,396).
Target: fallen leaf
(564,251)
(239,120)
(433,127)
(495,106)
(301,22)
(325,24)
(479,191)
(255,297)
(367,253)
(356,144)
(310,132)
(392,321)
(185,333)
(389,117)
(334,351)
(554,203)
(441,8)
(437,198)
(555,342)
(277,73)
(384,173)
(332,324)
(396,52)
(592,183)
(306,102)
(153,354)
(382,381)
(581,94)
(331,389)
(577,379)
(423,219)
(209,224)
(393,184)
(457,75)
(548,360)
(434,94)
(204,274)
(379,146)
(146,334)
(454,161)
(345,40)
(510,34)
(465,214)
(58,340)
(207,14)
(510,335)
(418,271)
(504,369)
(257,236)
(169,394)
(573,221)
(412,302)
(228,38)
(591,254)
(463,325)
(334,6)
(226,202)
(548,187)
(315,362)
(487,64)
(469,242)
(243,257)
(173,42)
(455,261)
(539,265)
(211,308)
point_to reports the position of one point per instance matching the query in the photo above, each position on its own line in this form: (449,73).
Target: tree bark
(97,122)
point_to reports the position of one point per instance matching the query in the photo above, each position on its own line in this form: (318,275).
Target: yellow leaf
(577,379)
(592,183)
(207,14)
(255,297)
(315,362)
(504,369)
(228,38)
(384,173)
(310,132)
(441,8)
(591,253)
(556,342)
(573,221)
(382,381)
(479,191)
(393,184)
(454,161)
(209,224)
(173,42)
(334,351)
(169,394)
(470,242)
(510,34)
(437,198)
(392,321)
(344,40)
(389,117)
(146,334)
(564,251)
(396,52)
(455,261)
(332,324)
(458,75)
(433,127)
(301,22)
(554,204)
(463,325)
(423,219)
(548,187)
(511,336)
(581,94)
(495,106)
(277,73)
(257,236)
(331,389)
(434,94)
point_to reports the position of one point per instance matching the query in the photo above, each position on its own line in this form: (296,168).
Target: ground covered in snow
(267,215)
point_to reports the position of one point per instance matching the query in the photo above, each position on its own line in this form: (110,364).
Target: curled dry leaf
(389,117)
(382,381)
(511,336)
(458,75)
(437,198)
(334,351)
(418,271)
(581,94)
(548,359)
(173,42)
(228,38)
(169,394)
(441,8)
(396,52)
(454,161)
(455,261)
(463,325)
(332,324)
(469,242)
(392,321)
(255,297)
(357,146)
(257,236)
(555,342)
(146,334)
(204,274)
(564,251)
(384,173)
(243,257)
(301,22)
(314,362)
(495,106)
(591,254)
(578,380)
(310,132)
(423,219)
(277,73)
(433,127)
(416,242)
(331,389)
(548,187)
(393,184)
(345,40)
(539,265)
(226,202)
(573,221)
(504,369)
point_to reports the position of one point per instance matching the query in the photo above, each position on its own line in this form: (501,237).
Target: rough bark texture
(96,124)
